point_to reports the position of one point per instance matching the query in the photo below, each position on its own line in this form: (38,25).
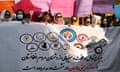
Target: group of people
(46,17)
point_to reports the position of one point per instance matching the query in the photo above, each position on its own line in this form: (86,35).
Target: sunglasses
(73,20)
(58,16)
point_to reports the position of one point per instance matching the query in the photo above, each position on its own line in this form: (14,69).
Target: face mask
(19,16)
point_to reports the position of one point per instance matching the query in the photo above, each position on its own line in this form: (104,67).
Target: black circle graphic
(98,50)
(44,46)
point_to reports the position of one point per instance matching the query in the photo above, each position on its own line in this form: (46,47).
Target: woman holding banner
(5,16)
(58,19)
(74,20)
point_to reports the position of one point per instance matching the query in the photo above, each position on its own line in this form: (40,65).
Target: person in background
(46,18)
(58,19)
(109,18)
(74,20)
(104,22)
(36,16)
(87,21)
(81,21)
(13,17)
(96,20)
(5,16)
(19,15)
(116,21)
(26,18)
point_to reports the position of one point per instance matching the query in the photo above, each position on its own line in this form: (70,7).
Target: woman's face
(99,21)
(19,15)
(74,19)
(88,21)
(117,20)
(47,17)
(58,18)
(105,21)
(7,14)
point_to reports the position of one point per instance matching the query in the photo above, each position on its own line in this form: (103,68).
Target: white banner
(38,47)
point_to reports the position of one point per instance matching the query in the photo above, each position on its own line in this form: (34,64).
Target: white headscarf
(2,14)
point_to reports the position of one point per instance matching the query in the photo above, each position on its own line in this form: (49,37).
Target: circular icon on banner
(79,45)
(44,46)
(102,42)
(66,46)
(82,37)
(56,45)
(32,47)
(98,50)
(52,36)
(93,39)
(26,38)
(39,37)
(68,34)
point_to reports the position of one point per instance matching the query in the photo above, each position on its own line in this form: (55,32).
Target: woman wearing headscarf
(5,16)
(116,21)
(58,19)
(46,18)
(74,20)
(105,22)
(19,15)
(26,18)
(36,16)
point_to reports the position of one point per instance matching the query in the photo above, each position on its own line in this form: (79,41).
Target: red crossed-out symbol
(82,37)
